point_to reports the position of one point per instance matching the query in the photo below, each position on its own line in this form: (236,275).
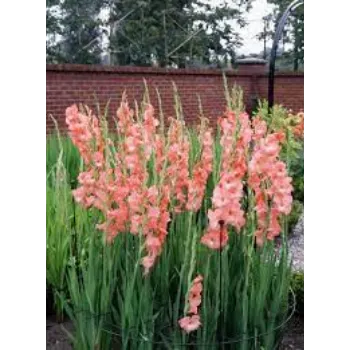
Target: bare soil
(57,339)
(56,336)
(294,336)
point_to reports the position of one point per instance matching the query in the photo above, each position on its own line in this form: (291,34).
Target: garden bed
(57,339)
(294,336)
(216,206)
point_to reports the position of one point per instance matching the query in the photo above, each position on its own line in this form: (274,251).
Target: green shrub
(297,173)
(71,159)
(59,204)
(297,285)
(295,214)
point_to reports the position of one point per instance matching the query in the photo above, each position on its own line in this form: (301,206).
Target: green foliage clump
(297,285)
(297,173)
(71,160)
(297,210)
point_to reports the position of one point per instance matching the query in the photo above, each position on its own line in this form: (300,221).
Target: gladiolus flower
(215,239)
(269,180)
(190,323)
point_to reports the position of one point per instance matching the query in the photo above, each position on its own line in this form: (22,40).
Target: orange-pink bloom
(139,200)
(201,171)
(269,181)
(236,135)
(191,322)
(299,128)
(215,238)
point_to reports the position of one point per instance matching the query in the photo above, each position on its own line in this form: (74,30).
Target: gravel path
(296,245)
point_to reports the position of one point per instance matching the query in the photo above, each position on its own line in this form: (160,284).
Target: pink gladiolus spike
(190,323)
(269,181)
(215,239)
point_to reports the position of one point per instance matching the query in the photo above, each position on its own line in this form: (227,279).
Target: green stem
(192,265)
(188,240)
(250,250)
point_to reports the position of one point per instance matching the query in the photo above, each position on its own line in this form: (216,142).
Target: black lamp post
(281,23)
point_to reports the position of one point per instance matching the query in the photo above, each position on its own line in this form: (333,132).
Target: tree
(146,32)
(52,30)
(73,31)
(175,32)
(293,32)
(220,38)
(266,34)
(81,31)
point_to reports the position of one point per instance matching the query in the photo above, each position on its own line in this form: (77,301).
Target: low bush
(297,285)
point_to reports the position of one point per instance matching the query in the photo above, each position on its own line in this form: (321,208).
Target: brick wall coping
(153,70)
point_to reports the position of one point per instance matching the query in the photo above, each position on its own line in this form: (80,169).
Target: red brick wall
(68,84)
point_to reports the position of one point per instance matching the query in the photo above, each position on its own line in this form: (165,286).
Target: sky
(255,26)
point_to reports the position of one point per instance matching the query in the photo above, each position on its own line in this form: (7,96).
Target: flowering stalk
(191,322)
(269,180)
(155,175)
(228,193)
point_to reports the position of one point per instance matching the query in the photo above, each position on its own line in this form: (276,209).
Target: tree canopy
(145,32)
(293,32)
